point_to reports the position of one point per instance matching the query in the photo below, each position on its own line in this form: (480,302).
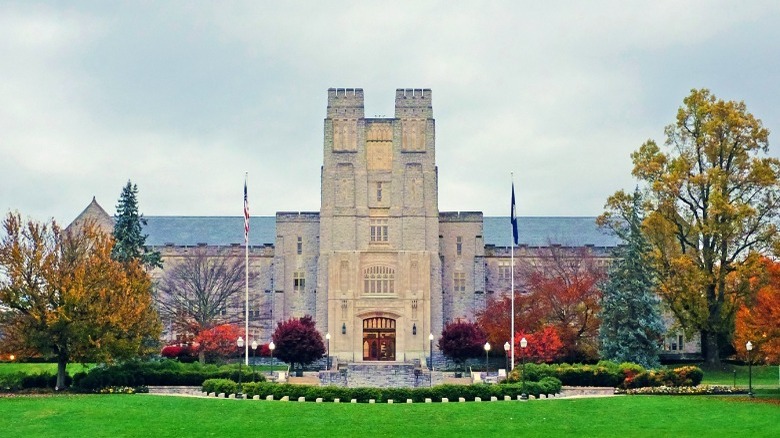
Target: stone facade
(379,267)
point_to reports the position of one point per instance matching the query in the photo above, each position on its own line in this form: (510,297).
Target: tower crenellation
(345,103)
(413,103)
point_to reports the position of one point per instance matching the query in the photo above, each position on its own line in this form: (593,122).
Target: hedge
(547,386)
(609,374)
(163,373)
(20,380)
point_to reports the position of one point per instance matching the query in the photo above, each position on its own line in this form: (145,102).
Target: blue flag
(514,216)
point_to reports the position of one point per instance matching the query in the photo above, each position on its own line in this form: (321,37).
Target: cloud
(183,98)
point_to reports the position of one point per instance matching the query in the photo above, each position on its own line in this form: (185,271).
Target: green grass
(763,376)
(37,368)
(159,416)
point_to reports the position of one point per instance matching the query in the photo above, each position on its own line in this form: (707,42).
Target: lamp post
(254,358)
(487,350)
(523,344)
(506,351)
(749,347)
(272,347)
(430,351)
(327,359)
(240,343)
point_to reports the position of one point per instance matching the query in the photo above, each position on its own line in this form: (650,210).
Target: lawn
(163,416)
(37,368)
(763,376)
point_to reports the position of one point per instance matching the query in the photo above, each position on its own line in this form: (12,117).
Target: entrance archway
(379,339)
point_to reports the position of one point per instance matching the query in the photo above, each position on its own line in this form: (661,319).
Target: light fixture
(327,358)
(240,343)
(749,347)
(254,358)
(487,350)
(430,353)
(506,352)
(523,344)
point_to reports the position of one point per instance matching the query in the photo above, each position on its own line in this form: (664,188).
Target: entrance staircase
(377,375)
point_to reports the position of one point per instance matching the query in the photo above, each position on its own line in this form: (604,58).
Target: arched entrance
(379,339)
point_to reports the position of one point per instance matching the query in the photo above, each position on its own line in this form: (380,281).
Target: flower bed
(682,390)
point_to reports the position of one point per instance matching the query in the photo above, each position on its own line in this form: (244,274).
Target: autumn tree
(462,340)
(195,292)
(495,318)
(218,341)
(713,197)
(758,320)
(631,324)
(298,341)
(543,346)
(128,231)
(563,286)
(66,298)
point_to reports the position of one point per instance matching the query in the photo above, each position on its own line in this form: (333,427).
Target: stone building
(379,266)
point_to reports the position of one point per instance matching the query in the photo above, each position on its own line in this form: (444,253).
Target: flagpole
(246,272)
(512,273)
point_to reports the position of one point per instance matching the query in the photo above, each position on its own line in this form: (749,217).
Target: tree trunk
(202,357)
(62,363)
(710,350)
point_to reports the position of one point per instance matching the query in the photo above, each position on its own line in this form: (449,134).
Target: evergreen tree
(631,324)
(130,242)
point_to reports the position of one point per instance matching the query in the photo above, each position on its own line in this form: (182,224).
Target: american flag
(246,215)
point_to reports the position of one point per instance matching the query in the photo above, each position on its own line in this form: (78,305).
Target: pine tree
(130,241)
(631,323)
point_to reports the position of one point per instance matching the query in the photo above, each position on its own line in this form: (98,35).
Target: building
(379,266)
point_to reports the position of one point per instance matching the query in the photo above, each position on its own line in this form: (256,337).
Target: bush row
(163,373)
(20,380)
(677,377)
(609,374)
(546,386)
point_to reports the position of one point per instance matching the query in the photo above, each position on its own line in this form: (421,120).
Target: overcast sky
(183,97)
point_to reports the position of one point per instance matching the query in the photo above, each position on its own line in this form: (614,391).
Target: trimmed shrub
(682,376)
(162,373)
(547,386)
(604,373)
(220,385)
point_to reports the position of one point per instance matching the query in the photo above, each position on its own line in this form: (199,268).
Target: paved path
(567,392)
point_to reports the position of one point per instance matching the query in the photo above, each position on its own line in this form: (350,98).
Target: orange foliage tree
(64,297)
(758,321)
(543,346)
(219,341)
(495,319)
(562,291)
(564,287)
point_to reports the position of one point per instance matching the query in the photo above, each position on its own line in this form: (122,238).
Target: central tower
(379,265)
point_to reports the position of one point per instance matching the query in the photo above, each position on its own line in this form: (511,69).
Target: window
(459,245)
(459,282)
(299,281)
(504,271)
(674,342)
(378,230)
(378,280)
(300,245)
(379,192)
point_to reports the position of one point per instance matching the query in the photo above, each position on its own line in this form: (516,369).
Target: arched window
(378,280)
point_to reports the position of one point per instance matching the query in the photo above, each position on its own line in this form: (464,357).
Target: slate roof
(227,230)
